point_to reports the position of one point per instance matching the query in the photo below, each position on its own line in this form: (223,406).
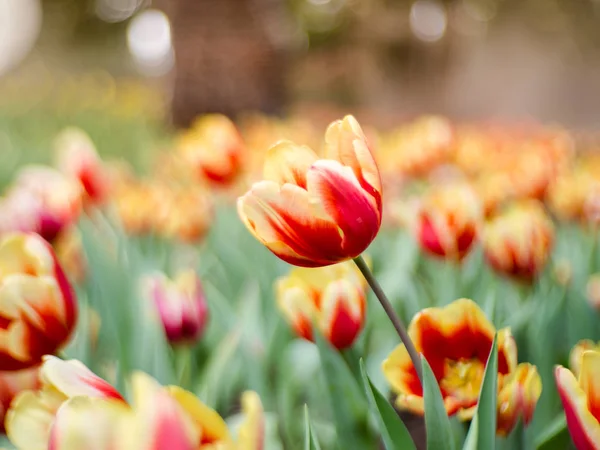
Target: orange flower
(518,242)
(581,400)
(448,221)
(77,157)
(38,309)
(331,297)
(180,304)
(41,200)
(214,148)
(315,212)
(456,341)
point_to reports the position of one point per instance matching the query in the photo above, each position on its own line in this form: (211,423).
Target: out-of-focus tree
(227,60)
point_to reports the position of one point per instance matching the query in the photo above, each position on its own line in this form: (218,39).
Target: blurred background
(174,59)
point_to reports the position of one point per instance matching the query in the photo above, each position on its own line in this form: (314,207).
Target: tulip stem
(389,310)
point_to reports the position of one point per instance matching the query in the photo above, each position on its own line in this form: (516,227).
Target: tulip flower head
(14,382)
(456,341)
(42,200)
(448,221)
(518,242)
(314,212)
(77,157)
(579,395)
(214,148)
(331,298)
(38,309)
(181,305)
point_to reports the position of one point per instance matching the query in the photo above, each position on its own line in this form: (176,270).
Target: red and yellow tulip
(315,212)
(448,221)
(74,406)
(214,148)
(456,341)
(77,158)
(38,309)
(580,398)
(331,298)
(181,305)
(518,242)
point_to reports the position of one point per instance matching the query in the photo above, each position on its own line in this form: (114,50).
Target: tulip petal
(589,380)
(287,162)
(518,397)
(345,142)
(291,225)
(342,313)
(583,426)
(347,203)
(73,378)
(251,435)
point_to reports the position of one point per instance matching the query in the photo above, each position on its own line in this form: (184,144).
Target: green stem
(389,310)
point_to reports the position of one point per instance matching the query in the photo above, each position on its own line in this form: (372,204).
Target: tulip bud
(332,298)
(43,201)
(518,242)
(448,221)
(214,148)
(181,305)
(77,157)
(37,303)
(593,291)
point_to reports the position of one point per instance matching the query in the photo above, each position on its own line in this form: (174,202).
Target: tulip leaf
(472,435)
(310,441)
(555,436)
(437,422)
(394,433)
(345,398)
(485,417)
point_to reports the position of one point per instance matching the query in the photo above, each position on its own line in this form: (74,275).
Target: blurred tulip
(593,291)
(456,341)
(581,400)
(577,352)
(518,242)
(251,435)
(315,212)
(214,148)
(38,309)
(31,414)
(76,157)
(14,382)
(186,215)
(448,221)
(181,305)
(416,148)
(333,298)
(41,200)
(567,194)
(137,204)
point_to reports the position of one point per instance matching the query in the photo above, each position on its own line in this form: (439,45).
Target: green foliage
(439,430)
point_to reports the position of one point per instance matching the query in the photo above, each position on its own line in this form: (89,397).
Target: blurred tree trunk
(225,59)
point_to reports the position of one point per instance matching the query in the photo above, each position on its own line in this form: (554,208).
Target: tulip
(518,242)
(77,158)
(332,297)
(41,200)
(38,309)
(456,341)
(31,414)
(579,395)
(181,305)
(214,148)
(315,212)
(252,431)
(577,352)
(448,221)
(13,383)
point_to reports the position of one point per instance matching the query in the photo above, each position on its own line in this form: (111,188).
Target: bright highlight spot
(428,20)
(150,44)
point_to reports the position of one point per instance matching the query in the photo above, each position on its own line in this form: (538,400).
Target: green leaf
(472,436)
(345,397)
(437,423)
(310,442)
(394,433)
(555,436)
(486,406)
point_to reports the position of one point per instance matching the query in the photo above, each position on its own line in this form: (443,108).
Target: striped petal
(583,426)
(287,162)
(342,312)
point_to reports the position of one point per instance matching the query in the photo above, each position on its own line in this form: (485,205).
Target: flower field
(293,284)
